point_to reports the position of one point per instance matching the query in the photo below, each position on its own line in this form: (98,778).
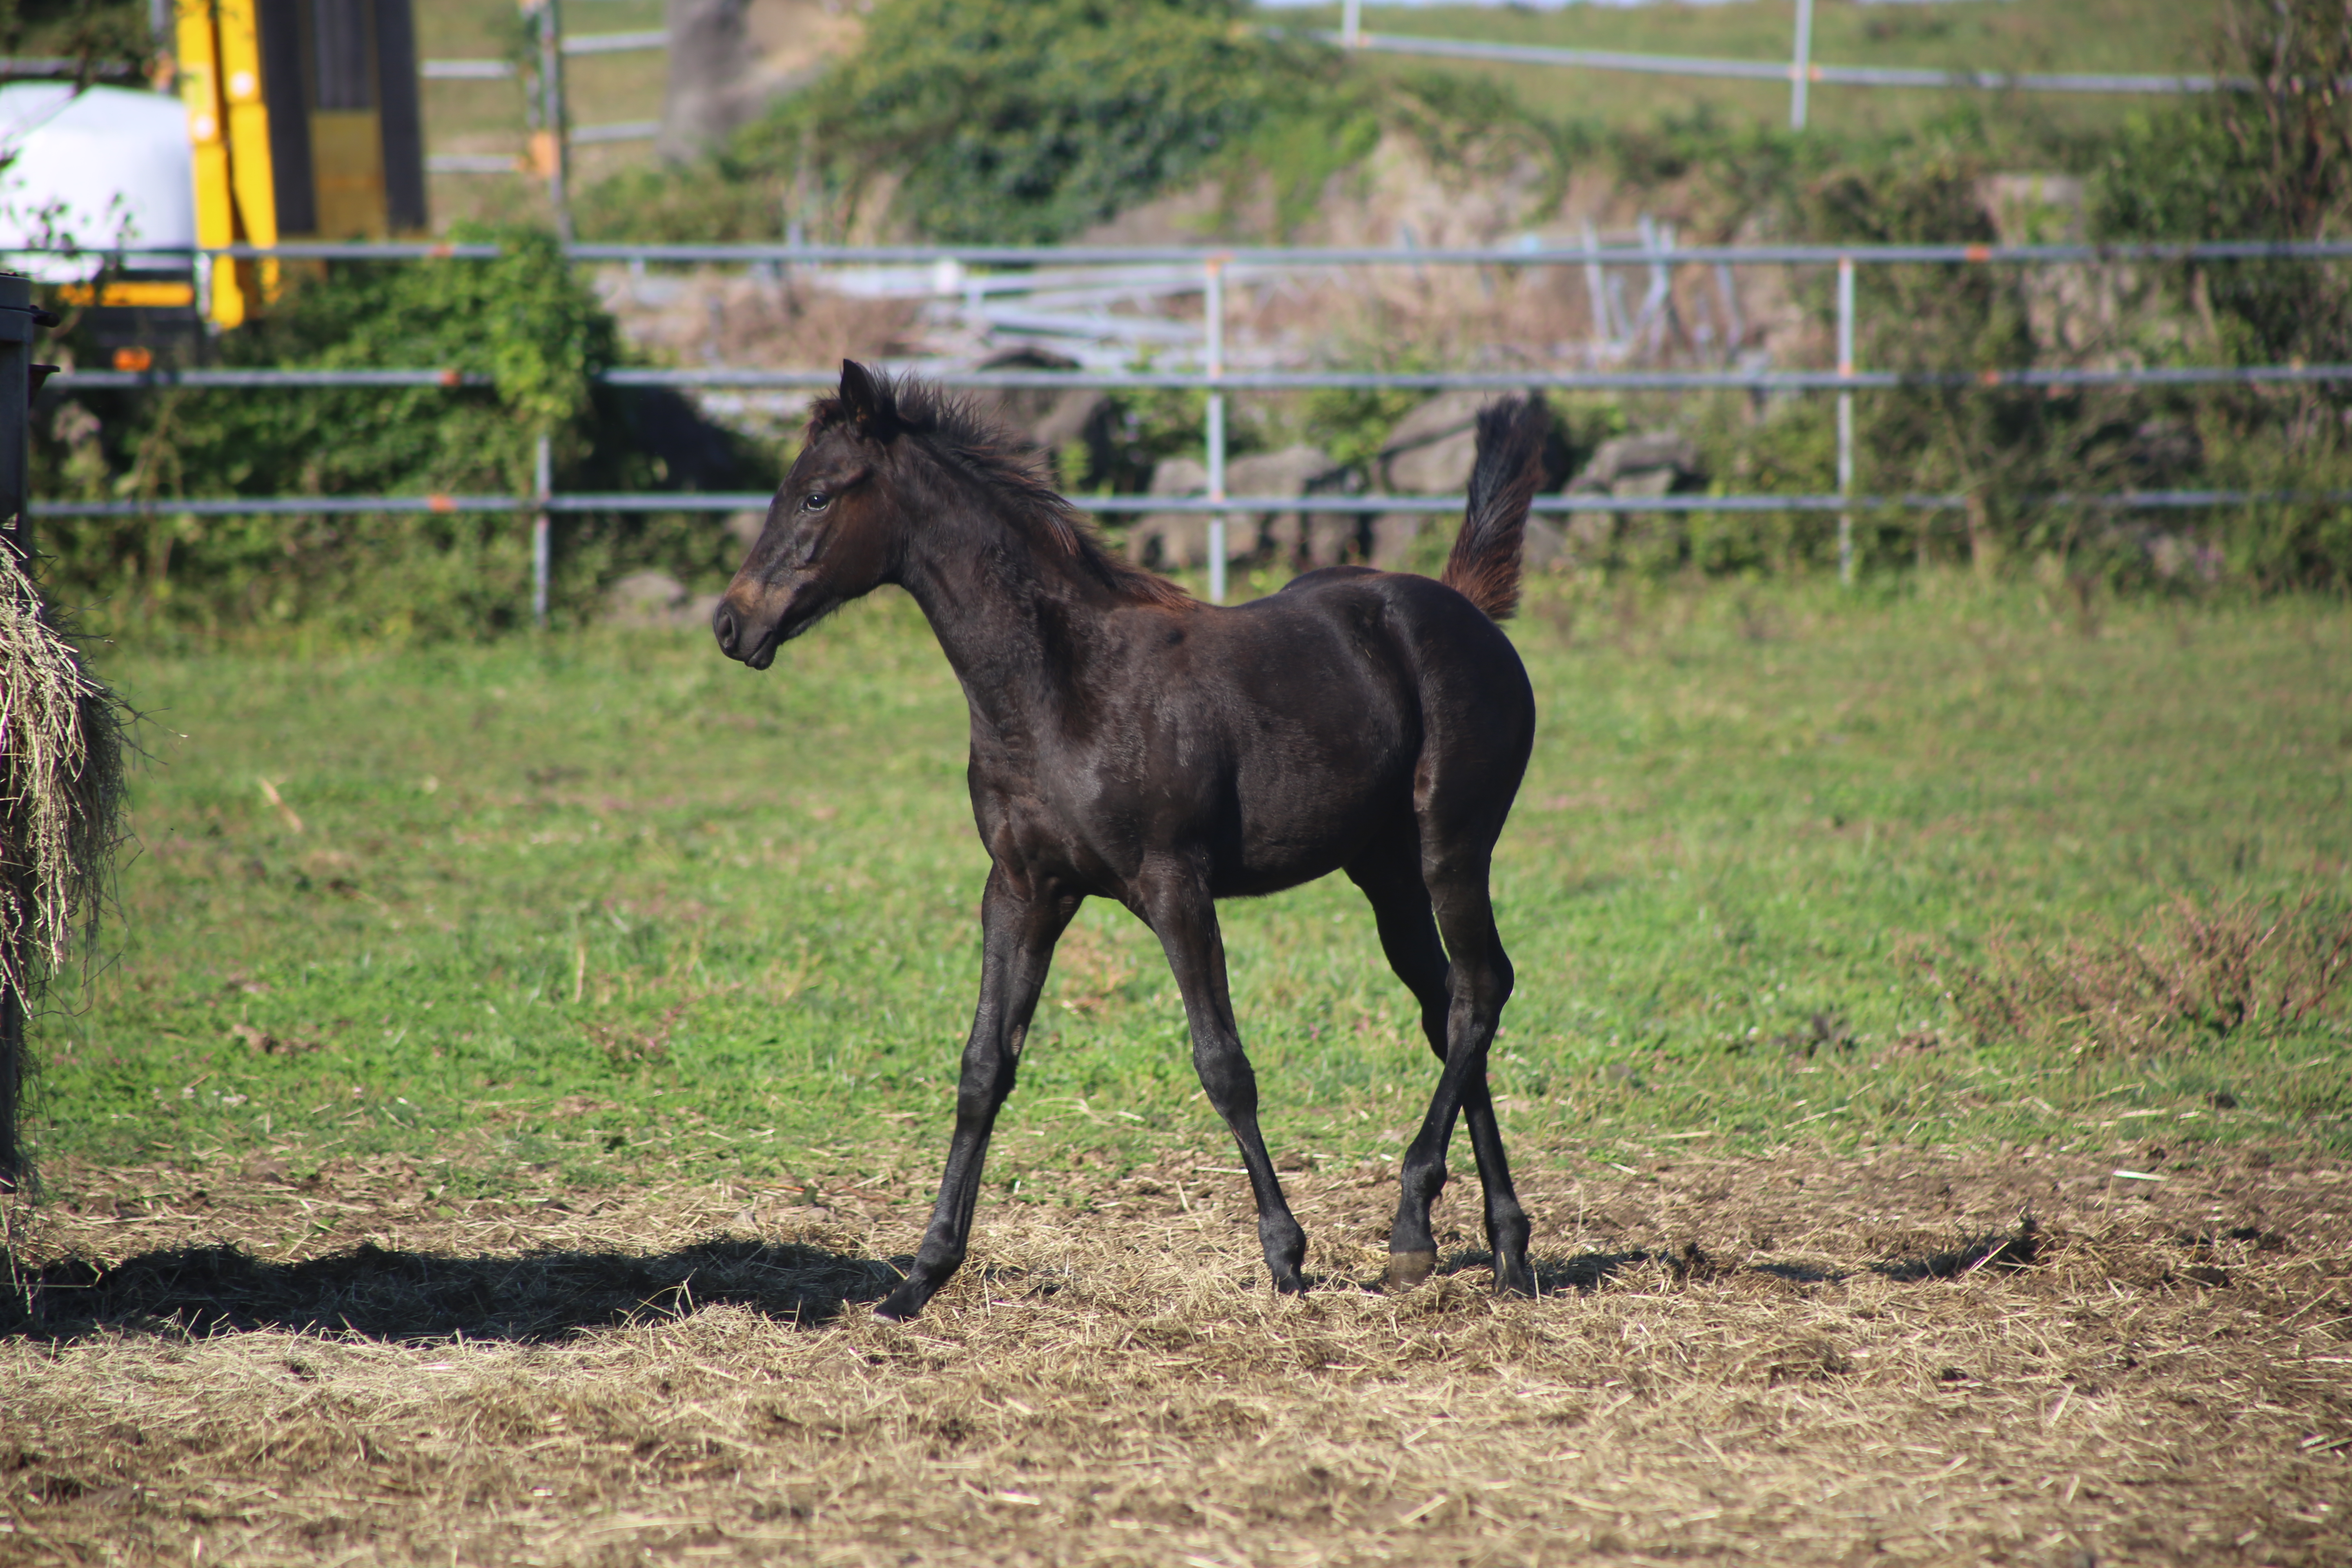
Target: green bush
(2273,163)
(526,321)
(1011,122)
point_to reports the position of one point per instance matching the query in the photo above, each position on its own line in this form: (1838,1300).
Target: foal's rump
(1355,702)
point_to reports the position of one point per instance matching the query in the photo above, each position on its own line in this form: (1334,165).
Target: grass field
(605,998)
(623,867)
(2091,36)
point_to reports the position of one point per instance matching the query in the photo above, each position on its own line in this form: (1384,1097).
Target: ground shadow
(422,1296)
(1584,1273)
(1996,1249)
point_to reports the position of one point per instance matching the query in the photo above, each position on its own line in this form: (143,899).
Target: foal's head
(886,468)
(835,530)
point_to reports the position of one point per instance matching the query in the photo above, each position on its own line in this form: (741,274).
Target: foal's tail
(1484,565)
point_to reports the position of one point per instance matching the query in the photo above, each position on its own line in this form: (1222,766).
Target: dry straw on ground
(60,814)
(1798,1359)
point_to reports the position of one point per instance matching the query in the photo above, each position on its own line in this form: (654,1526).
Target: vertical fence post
(543,485)
(1845,418)
(15,358)
(1215,310)
(15,410)
(1351,24)
(1801,69)
(550,148)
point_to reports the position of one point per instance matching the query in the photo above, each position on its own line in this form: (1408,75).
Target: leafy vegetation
(526,321)
(1013,122)
(95,34)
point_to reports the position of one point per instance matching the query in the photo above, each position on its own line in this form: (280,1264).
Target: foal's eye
(815,501)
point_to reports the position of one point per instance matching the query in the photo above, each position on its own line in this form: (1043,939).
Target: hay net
(60,791)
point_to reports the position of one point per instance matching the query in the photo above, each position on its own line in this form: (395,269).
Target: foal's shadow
(1584,1273)
(417,1295)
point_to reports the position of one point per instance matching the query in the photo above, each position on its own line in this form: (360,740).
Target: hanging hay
(61,745)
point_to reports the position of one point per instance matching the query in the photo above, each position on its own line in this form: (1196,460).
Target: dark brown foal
(1130,742)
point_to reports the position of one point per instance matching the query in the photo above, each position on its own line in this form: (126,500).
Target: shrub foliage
(526,321)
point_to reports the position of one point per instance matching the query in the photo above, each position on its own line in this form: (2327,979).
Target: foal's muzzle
(738,640)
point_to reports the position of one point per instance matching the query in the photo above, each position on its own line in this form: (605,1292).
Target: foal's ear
(869,400)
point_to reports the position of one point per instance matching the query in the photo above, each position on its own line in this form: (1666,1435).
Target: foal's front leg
(1018,935)
(1184,916)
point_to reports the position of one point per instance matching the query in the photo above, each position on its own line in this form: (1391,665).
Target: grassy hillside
(2094,35)
(2104,35)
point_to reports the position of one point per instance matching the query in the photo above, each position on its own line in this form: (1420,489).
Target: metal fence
(1800,72)
(1216,270)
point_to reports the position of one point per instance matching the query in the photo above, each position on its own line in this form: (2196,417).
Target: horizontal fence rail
(571,44)
(1115,505)
(1268,258)
(1779,71)
(747,377)
(950,272)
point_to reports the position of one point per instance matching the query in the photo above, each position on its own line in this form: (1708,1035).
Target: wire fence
(1211,376)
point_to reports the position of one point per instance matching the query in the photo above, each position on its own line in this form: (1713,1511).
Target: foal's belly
(1301,821)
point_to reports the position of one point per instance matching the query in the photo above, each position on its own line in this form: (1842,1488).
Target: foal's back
(1286,732)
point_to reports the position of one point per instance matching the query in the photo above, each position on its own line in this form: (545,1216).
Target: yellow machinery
(304,117)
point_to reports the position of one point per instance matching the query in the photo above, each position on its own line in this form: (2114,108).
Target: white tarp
(105,167)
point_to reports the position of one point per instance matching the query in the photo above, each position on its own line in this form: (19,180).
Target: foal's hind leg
(1018,935)
(1182,914)
(1400,901)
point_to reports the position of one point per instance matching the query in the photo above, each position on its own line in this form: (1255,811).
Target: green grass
(615,905)
(2093,35)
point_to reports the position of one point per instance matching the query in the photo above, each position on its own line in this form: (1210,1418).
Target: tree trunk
(709,62)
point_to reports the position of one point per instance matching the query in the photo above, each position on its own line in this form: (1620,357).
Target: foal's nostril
(722,626)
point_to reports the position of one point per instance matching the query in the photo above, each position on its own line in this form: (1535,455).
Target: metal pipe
(16,322)
(1268,259)
(1766,70)
(549,14)
(616,43)
(543,485)
(1214,305)
(81,379)
(1254,380)
(1305,257)
(1801,67)
(728,501)
(1469,381)
(1845,418)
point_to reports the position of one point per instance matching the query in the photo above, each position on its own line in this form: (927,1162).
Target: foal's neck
(1011,611)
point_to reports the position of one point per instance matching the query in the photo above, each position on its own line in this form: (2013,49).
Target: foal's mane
(952,430)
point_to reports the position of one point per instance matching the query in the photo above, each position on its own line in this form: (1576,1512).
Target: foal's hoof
(1407,1269)
(899,1306)
(1512,1277)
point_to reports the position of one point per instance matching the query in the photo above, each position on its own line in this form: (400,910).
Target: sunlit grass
(612,903)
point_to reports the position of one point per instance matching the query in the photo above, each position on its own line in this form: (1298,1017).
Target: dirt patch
(2019,1357)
